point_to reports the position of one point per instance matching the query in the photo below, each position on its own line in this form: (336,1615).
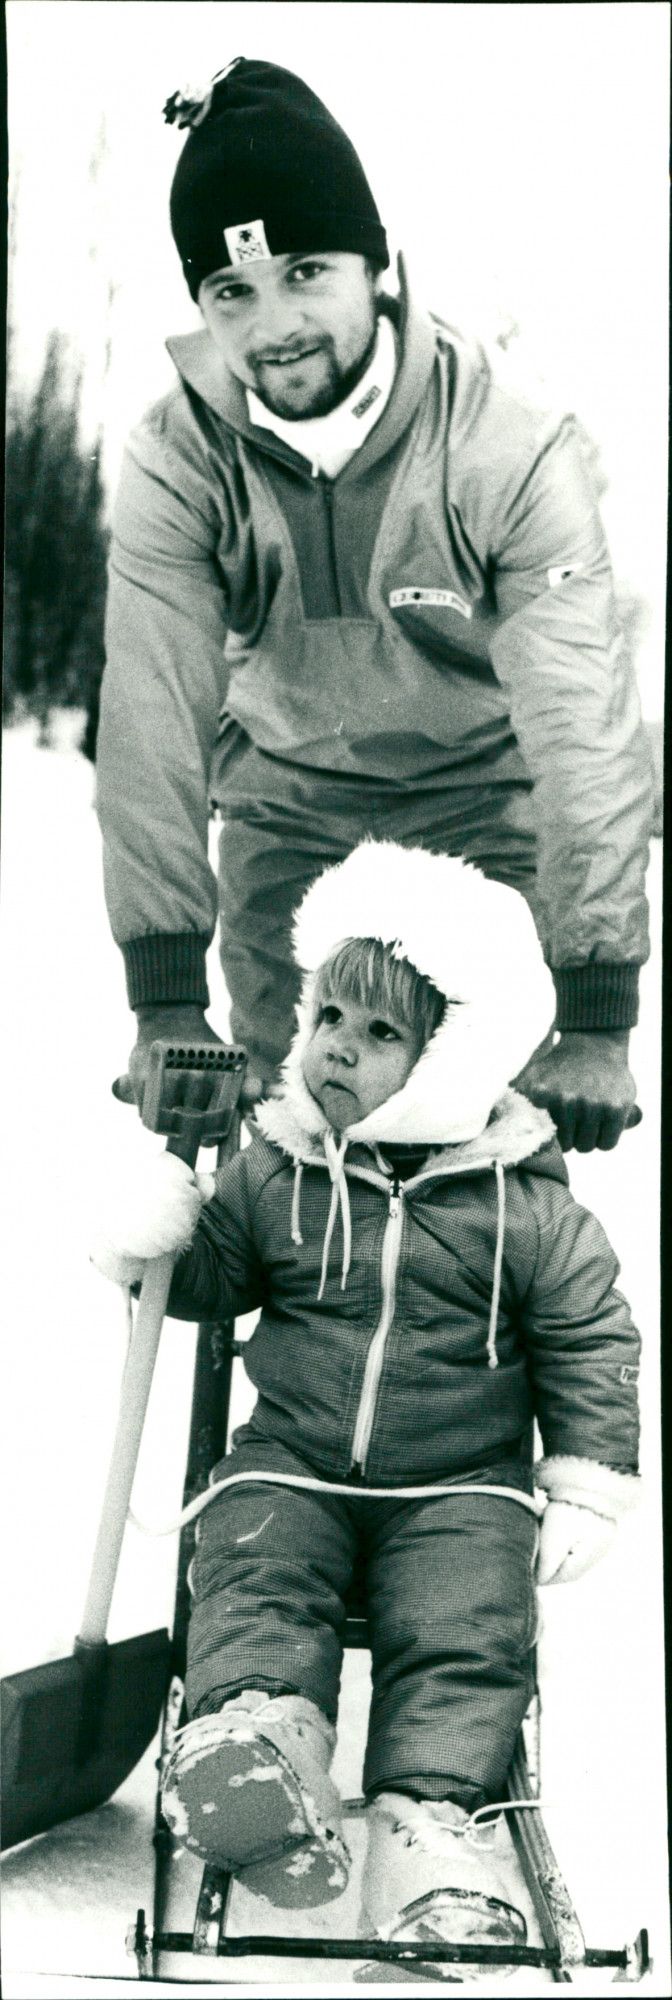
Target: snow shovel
(73,1729)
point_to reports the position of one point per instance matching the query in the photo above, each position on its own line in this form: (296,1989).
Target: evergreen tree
(56,547)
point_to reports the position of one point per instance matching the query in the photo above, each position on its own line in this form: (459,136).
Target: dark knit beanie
(265,171)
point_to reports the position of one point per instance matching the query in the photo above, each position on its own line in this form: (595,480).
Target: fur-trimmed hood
(515,1132)
(475,939)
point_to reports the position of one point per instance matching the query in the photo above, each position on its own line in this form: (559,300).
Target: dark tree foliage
(55,549)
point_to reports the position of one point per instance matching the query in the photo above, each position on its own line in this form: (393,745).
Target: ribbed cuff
(595,996)
(164,969)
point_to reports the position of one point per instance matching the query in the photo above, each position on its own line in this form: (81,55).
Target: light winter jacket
(444,606)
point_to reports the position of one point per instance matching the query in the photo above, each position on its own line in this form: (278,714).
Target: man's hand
(168,1024)
(586,1085)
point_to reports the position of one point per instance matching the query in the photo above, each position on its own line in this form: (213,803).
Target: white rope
(307,1485)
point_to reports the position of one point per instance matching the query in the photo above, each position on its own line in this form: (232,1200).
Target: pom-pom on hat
(475,939)
(266,171)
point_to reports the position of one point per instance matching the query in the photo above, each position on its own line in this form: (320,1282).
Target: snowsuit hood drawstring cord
(335,1157)
(497,1277)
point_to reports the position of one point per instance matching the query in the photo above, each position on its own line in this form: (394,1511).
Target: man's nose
(277,321)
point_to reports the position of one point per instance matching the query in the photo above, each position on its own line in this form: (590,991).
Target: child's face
(355,1059)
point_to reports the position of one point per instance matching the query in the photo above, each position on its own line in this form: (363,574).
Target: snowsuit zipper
(374,1362)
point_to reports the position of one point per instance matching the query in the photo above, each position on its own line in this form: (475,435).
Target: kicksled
(74,1728)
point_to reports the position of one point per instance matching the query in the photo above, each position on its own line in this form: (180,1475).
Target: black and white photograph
(333,1648)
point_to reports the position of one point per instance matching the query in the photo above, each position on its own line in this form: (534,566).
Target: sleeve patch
(629,1374)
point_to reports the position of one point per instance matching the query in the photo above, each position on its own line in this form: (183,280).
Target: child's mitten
(585,1503)
(151,1211)
(571,1540)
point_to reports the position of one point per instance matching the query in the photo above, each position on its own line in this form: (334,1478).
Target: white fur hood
(515,1132)
(476,940)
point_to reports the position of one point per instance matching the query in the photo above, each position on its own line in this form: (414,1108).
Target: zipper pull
(395,1203)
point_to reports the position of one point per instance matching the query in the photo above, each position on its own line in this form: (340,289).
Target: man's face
(298,330)
(355,1059)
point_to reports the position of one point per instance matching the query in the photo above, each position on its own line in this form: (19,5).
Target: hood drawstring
(497,1277)
(295,1224)
(335,1156)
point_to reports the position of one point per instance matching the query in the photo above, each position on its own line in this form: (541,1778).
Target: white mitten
(572,1539)
(153,1210)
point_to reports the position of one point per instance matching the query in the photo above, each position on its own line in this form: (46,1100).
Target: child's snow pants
(450,1603)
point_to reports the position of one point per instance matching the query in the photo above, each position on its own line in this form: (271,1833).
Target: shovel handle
(136,1384)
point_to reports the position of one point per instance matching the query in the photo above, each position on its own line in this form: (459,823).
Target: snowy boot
(249,1789)
(431,1876)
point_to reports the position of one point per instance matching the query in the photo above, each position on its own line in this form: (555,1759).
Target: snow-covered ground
(65,1033)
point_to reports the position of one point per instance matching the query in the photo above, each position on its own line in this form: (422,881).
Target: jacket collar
(516,1131)
(202,369)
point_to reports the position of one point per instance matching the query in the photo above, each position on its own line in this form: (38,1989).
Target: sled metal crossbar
(563,1951)
(632,1960)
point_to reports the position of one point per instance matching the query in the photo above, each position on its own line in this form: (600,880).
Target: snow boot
(430,1876)
(249,1789)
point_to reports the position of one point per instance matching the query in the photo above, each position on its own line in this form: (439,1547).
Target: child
(400,1359)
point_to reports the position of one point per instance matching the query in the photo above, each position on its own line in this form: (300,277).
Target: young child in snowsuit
(427,1287)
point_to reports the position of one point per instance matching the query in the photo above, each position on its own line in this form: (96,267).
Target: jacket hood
(202,368)
(516,1131)
(476,940)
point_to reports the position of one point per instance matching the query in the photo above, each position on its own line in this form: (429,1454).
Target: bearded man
(356,586)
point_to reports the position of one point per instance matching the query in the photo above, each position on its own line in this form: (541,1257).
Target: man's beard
(335,386)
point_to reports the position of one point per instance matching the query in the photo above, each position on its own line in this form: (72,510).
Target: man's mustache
(265,356)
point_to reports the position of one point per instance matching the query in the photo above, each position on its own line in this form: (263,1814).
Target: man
(356,586)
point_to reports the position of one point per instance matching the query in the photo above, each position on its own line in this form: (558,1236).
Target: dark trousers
(284,824)
(450,1602)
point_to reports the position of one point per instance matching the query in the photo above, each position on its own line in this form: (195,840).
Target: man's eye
(304,273)
(383,1031)
(227,293)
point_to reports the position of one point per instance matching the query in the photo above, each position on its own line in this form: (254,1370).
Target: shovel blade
(74,1729)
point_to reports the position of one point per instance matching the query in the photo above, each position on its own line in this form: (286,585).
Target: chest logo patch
(415,594)
(245,242)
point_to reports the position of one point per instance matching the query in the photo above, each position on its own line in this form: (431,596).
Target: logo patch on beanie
(245,242)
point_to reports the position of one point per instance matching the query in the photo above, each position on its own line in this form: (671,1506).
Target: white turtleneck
(328,442)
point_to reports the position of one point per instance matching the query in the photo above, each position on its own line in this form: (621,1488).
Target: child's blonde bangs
(367,972)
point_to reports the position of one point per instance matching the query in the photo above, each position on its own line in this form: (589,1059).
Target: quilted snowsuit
(425,647)
(478,1296)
